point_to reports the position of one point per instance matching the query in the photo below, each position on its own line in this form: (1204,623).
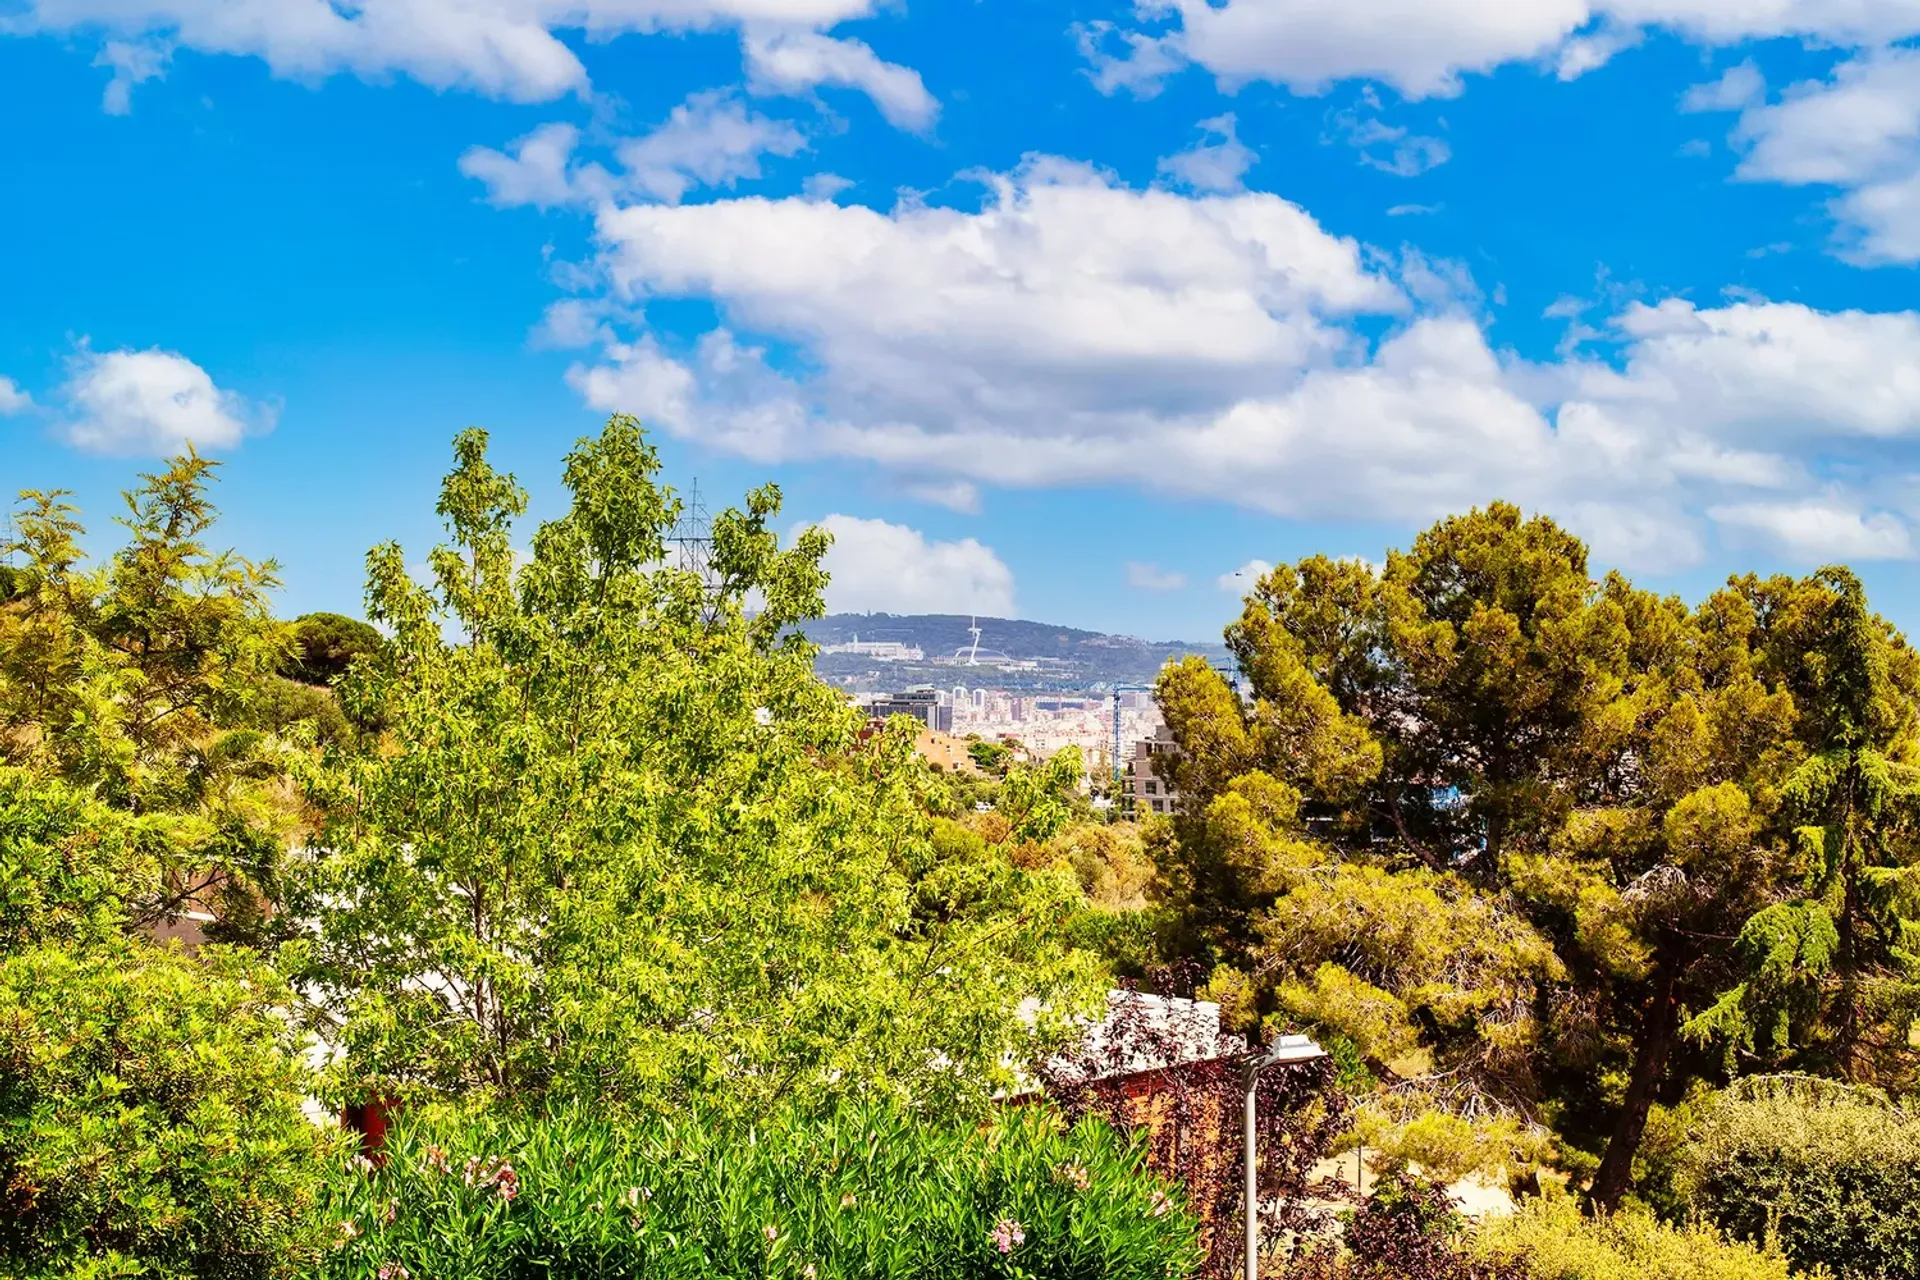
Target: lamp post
(1285,1051)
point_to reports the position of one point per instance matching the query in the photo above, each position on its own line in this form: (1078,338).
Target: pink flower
(1075,1175)
(1159,1205)
(393,1271)
(849,1200)
(437,1158)
(1006,1234)
(771,1232)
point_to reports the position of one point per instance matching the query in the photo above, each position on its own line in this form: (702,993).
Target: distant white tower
(973,629)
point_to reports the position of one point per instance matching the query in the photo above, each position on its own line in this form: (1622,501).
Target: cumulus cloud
(955,495)
(532,171)
(1821,530)
(1859,132)
(877,567)
(710,140)
(795,62)
(1071,330)
(133,62)
(1425,49)
(1739,86)
(1242,580)
(1217,162)
(152,402)
(12,398)
(1126,60)
(1142,576)
(504,48)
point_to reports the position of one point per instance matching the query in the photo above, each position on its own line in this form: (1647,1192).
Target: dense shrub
(1550,1240)
(1834,1172)
(862,1193)
(150,1119)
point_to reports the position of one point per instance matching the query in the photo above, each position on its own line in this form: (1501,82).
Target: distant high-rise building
(1149,787)
(923,704)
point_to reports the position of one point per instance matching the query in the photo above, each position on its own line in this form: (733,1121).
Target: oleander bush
(1832,1172)
(863,1193)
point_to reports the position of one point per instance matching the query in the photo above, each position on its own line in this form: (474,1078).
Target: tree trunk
(1649,1065)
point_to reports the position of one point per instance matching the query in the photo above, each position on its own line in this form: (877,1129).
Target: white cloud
(795,62)
(1217,162)
(12,398)
(1424,48)
(152,402)
(1071,331)
(1739,86)
(878,567)
(533,172)
(133,62)
(1142,576)
(503,48)
(1819,530)
(824,186)
(1389,148)
(711,140)
(955,495)
(1404,210)
(1858,131)
(1142,65)
(1242,580)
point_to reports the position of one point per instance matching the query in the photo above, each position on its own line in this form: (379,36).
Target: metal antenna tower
(692,537)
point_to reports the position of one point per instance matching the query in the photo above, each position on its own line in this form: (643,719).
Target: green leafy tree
(325,645)
(619,843)
(150,1118)
(1832,973)
(145,681)
(1682,805)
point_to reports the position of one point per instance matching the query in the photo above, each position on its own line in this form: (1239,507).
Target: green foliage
(150,1118)
(993,757)
(620,844)
(860,1193)
(325,646)
(1832,1173)
(1549,1239)
(72,871)
(1610,786)
(139,682)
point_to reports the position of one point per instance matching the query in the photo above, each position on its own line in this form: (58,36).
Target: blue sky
(1069,310)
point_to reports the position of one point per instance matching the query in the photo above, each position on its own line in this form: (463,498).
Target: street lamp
(1286,1051)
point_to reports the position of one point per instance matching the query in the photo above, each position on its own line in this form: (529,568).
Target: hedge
(863,1193)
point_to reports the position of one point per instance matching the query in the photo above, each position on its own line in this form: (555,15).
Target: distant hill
(1014,653)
